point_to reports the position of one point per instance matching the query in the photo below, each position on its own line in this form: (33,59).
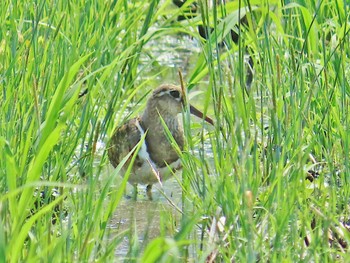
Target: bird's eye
(175,94)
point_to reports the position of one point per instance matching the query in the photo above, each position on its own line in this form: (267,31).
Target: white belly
(151,175)
(148,172)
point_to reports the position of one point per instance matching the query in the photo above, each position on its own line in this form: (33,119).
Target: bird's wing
(123,140)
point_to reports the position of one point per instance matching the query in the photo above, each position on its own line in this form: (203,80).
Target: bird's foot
(149,192)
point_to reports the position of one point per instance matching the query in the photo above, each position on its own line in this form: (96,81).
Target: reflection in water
(146,220)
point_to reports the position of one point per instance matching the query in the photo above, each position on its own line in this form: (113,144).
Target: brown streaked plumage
(156,154)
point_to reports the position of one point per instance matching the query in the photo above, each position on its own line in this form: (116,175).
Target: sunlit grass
(70,72)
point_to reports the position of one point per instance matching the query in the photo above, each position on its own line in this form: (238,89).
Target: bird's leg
(149,192)
(135,192)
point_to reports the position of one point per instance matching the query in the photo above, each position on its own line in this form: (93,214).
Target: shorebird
(157,159)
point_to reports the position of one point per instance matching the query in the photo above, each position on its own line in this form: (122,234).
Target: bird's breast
(159,146)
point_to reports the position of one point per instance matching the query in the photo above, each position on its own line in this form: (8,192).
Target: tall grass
(288,125)
(70,72)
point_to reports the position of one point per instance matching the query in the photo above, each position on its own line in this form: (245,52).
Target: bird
(157,158)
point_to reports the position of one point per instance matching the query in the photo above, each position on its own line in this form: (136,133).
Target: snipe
(156,156)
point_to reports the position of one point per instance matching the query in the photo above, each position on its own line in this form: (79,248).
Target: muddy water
(147,218)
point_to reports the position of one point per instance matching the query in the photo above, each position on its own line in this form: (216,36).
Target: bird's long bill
(199,114)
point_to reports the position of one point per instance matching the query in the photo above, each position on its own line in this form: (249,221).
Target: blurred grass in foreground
(246,199)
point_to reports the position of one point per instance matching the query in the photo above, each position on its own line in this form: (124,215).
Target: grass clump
(72,71)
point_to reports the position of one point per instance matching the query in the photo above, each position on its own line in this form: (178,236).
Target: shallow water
(144,217)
